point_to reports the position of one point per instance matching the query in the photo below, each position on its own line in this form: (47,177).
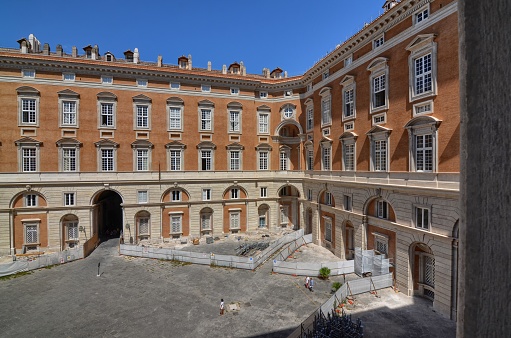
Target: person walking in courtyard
(221,306)
(311,284)
(307,279)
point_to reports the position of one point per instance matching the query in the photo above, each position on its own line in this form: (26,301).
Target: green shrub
(324,273)
(336,286)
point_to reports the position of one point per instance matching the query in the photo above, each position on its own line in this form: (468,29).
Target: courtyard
(136,297)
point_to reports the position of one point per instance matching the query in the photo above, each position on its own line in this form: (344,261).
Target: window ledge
(379,109)
(423,96)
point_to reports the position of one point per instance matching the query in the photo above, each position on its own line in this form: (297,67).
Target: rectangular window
(264,192)
(72,231)
(283,161)
(235,220)
(381,245)
(29,159)
(69,113)
(175,85)
(31,200)
(69,199)
(142,159)
(107,159)
(284,212)
(205,119)
(206,194)
(263,95)
(262,221)
(326,75)
(142,196)
(422,218)
(423,80)
(263,123)
(31,234)
(28,111)
(349,157)
(69,159)
(328,198)
(235,161)
(380,155)
(349,126)
(310,159)
(424,152)
(309,194)
(349,104)
(378,119)
(205,221)
(143,226)
(175,118)
(326,117)
(175,224)
(107,114)
(235,91)
(310,119)
(328,229)
(326,158)
(421,16)
(378,42)
(30,73)
(348,61)
(175,160)
(347,203)
(69,77)
(206,88)
(142,116)
(107,79)
(205,159)
(423,108)
(142,83)
(176,195)
(234,121)
(379,91)
(382,209)
(234,193)
(288,93)
(263,160)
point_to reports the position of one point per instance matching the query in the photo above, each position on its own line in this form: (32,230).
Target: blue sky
(290,34)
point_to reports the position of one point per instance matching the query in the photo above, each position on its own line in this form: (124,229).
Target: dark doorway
(109,214)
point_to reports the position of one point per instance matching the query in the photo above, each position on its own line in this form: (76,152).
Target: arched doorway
(264,215)
(423,270)
(70,231)
(308,221)
(108,214)
(206,221)
(350,240)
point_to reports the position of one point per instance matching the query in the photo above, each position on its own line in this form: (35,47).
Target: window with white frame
(348,155)
(175,85)
(234,121)
(206,220)
(422,67)
(263,192)
(31,233)
(379,84)
(206,194)
(326,156)
(206,88)
(326,114)
(422,219)
(235,193)
(29,159)
(142,117)
(288,111)
(309,87)
(234,217)
(176,222)
(142,83)
(264,122)
(284,159)
(142,196)
(349,102)
(422,136)
(143,226)
(347,203)
(326,74)
(348,61)
(310,118)
(72,233)
(28,73)
(107,160)
(107,114)
(206,159)
(421,15)
(378,42)
(107,79)
(328,198)
(28,111)
(69,102)
(263,159)
(424,152)
(328,229)
(381,244)
(310,158)
(31,200)
(235,91)
(288,93)
(349,126)
(175,158)
(380,155)
(423,108)
(142,158)
(69,199)
(175,118)
(379,119)
(235,160)
(68,77)
(28,106)
(206,119)
(69,159)
(69,113)
(382,209)
(175,195)
(262,221)
(263,95)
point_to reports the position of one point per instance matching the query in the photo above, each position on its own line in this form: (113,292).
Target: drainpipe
(454,279)
(11,233)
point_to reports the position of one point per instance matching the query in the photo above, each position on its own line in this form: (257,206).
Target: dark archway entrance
(109,214)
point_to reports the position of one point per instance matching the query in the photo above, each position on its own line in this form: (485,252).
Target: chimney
(285,73)
(243,69)
(160,60)
(74,52)
(46,49)
(209,65)
(136,55)
(35,45)
(190,61)
(224,69)
(23,45)
(95,52)
(59,50)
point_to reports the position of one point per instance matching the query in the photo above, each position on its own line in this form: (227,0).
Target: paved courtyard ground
(136,297)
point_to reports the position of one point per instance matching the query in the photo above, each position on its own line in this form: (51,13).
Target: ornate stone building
(361,150)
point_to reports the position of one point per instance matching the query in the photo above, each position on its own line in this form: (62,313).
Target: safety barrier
(27,263)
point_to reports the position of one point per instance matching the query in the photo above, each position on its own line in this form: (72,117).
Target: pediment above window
(66,141)
(142,99)
(27,141)
(234,146)
(421,41)
(377,64)
(67,93)
(347,80)
(175,144)
(325,91)
(206,145)
(176,101)
(234,105)
(348,135)
(309,102)
(142,144)
(379,130)
(325,141)
(107,96)
(206,103)
(106,143)
(423,121)
(263,146)
(263,108)
(26,90)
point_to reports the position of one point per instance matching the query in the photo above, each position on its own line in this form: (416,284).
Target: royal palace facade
(361,150)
